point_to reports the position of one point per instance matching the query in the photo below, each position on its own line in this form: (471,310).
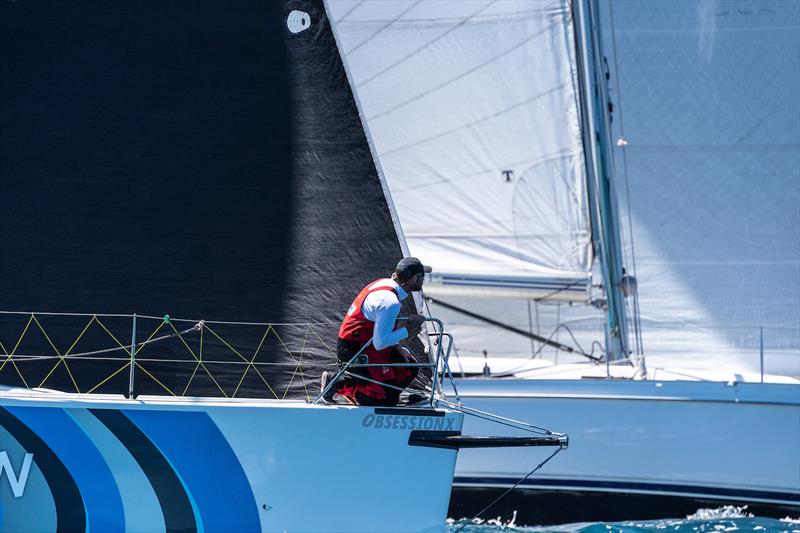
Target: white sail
(708,101)
(473,110)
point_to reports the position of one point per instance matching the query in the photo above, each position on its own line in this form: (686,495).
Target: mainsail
(203,162)
(473,109)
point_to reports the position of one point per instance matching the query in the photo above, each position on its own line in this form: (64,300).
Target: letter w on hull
(17,482)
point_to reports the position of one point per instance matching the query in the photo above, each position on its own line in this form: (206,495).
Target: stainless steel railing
(439,360)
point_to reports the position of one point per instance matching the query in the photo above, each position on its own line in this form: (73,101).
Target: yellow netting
(164,329)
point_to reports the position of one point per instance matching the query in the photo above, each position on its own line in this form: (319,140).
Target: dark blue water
(724,519)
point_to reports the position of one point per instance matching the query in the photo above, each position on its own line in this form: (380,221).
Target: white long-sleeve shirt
(383,308)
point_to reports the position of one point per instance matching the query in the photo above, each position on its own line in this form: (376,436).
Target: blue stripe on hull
(101,497)
(38,499)
(208,466)
(139,501)
(176,508)
(70,510)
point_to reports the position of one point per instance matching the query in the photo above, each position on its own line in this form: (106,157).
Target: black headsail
(203,160)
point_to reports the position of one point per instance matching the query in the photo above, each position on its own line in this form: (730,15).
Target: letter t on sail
(17,482)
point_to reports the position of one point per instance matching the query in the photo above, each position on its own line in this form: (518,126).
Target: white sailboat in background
(491,125)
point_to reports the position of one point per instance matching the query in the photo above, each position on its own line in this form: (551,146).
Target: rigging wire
(596,360)
(515,485)
(558,321)
(506,326)
(510,422)
(126,348)
(516,424)
(637,324)
(597,347)
(530,327)
(21,358)
(169,318)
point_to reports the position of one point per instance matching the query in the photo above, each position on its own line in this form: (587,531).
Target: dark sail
(198,160)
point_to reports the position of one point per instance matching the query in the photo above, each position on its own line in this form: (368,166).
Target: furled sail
(204,161)
(473,110)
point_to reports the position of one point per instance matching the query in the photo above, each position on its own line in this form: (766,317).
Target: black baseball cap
(411,266)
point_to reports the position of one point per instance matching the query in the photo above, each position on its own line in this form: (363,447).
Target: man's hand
(414,324)
(401,354)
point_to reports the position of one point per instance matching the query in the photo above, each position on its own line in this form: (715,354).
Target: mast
(602,198)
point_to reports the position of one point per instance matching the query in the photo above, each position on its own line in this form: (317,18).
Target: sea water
(724,519)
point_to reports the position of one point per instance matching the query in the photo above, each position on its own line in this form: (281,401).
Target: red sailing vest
(357,327)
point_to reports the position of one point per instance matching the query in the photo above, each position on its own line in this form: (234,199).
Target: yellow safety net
(186,346)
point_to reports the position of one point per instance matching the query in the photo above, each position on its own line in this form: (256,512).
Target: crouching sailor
(371,321)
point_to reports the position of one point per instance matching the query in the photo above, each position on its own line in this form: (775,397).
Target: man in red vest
(371,321)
